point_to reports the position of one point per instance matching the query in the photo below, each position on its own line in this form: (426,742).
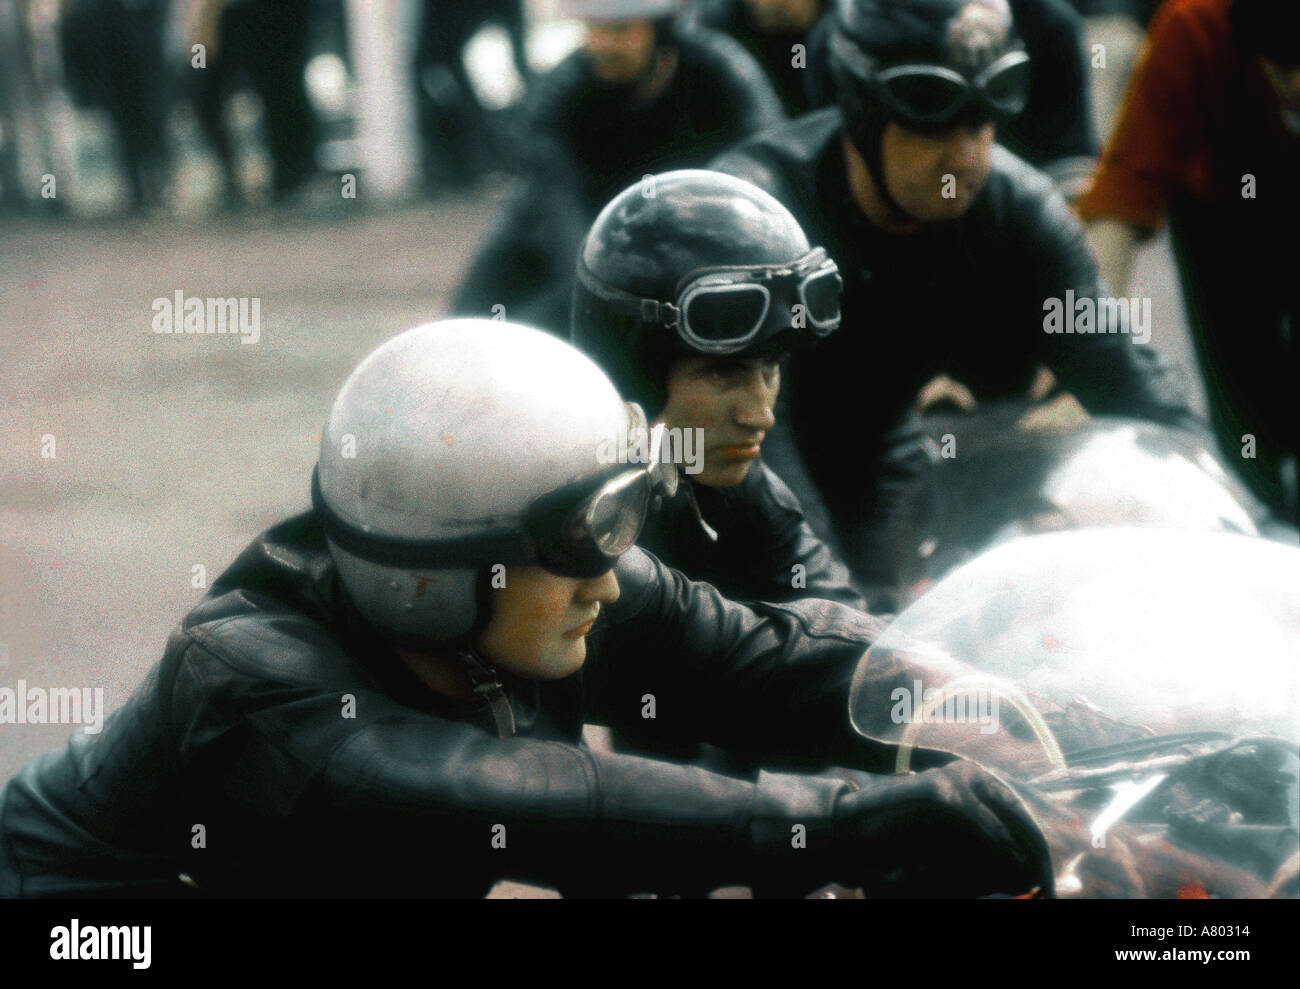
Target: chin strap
(876,166)
(709,531)
(489,689)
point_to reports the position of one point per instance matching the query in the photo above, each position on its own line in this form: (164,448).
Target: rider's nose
(755,412)
(603,589)
(754,408)
(969,146)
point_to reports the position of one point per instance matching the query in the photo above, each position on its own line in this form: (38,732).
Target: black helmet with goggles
(697,262)
(925,65)
(722,310)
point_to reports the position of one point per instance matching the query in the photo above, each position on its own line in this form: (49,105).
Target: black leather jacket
(762,538)
(966,297)
(243,729)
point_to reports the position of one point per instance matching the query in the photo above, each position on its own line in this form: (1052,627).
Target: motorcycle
(1138,686)
(989,478)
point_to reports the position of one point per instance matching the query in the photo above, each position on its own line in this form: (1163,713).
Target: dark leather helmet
(696,262)
(972,40)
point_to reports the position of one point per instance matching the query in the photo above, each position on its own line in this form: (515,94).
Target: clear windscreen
(1162,631)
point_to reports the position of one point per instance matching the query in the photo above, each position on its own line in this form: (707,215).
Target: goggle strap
(625,303)
(807,265)
(507,546)
(488,687)
(709,531)
(660,313)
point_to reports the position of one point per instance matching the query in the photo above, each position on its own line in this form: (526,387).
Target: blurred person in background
(1114,31)
(25,151)
(113,60)
(460,137)
(640,96)
(773,31)
(263,43)
(1208,138)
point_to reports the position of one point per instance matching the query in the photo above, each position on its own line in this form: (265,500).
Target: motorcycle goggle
(578,530)
(927,96)
(723,310)
(583,528)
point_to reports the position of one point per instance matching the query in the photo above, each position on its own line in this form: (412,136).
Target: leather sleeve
(784,163)
(421,803)
(860,539)
(545,147)
(716,15)
(1110,372)
(768,680)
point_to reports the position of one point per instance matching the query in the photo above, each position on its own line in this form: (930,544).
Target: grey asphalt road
(172,452)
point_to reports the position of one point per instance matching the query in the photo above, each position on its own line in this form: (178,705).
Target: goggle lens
(821,295)
(925,96)
(931,95)
(616,518)
(723,314)
(1007,91)
(606,523)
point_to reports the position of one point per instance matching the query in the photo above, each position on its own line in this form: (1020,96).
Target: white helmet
(467,443)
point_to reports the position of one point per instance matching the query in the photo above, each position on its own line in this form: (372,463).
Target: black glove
(955,831)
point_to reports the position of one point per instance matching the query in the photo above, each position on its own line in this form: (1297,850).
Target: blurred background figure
(262,43)
(24,132)
(1208,137)
(1057,132)
(775,32)
(459,137)
(642,95)
(113,57)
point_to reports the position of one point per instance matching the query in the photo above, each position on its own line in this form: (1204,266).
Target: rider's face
(936,177)
(540,621)
(731,400)
(620,51)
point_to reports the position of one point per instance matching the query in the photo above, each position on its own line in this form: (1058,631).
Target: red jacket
(1196,113)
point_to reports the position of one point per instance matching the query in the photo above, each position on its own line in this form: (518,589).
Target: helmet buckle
(661,313)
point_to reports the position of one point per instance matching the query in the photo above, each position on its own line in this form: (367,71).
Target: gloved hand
(955,831)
